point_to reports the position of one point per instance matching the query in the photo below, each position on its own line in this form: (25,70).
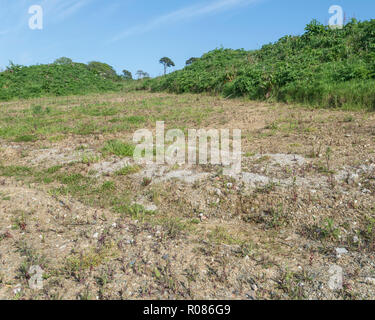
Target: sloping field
(99,226)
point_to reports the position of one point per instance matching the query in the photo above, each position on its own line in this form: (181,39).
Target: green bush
(323,67)
(58,79)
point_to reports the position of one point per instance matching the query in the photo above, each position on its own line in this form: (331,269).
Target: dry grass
(69,190)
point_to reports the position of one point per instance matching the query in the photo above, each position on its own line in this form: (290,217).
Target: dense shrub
(52,79)
(325,67)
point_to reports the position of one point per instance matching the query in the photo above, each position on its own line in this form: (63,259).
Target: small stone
(353,178)
(250,295)
(355,239)
(95,235)
(371,281)
(17,289)
(202,217)
(218,192)
(341,251)
(229,185)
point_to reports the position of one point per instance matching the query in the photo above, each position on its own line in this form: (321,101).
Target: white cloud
(62,9)
(72,9)
(183,14)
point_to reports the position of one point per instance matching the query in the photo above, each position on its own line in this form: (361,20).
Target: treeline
(323,67)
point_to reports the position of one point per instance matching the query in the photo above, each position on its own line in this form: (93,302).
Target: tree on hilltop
(63,61)
(141,74)
(167,63)
(191,61)
(127,75)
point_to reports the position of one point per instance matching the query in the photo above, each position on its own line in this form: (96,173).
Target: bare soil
(102,227)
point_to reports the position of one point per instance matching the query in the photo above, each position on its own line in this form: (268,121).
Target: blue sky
(135,34)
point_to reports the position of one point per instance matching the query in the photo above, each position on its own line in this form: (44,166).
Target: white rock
(341,251)
(17,288)
(151,207)
(336,280)
(369,280)
(95,235)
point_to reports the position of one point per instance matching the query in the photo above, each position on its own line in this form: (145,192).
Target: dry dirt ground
(81,220)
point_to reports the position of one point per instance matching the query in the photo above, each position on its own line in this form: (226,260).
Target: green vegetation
(191,61)
(324,67)
(127,75)
(119,148)
(127,170)
(53,118)
(103,69)
(58,79)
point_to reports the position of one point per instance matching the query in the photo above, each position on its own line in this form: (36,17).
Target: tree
(127,75)
(191,61)
(167,63)
(141,74)
(103,69)
(63,61)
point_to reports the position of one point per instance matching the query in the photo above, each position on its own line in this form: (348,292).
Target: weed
(26,138)
(292,283)
(127,170)
(118,148)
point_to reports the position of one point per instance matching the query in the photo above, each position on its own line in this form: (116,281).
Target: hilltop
(54,80)
(323,67)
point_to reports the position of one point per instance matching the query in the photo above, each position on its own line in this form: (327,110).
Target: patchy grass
(113,234)
(118,148)
(127,170)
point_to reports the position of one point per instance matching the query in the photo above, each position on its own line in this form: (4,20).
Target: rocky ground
(82,220)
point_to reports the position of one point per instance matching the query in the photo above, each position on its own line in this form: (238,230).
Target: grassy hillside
(323,67)
(52,79)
